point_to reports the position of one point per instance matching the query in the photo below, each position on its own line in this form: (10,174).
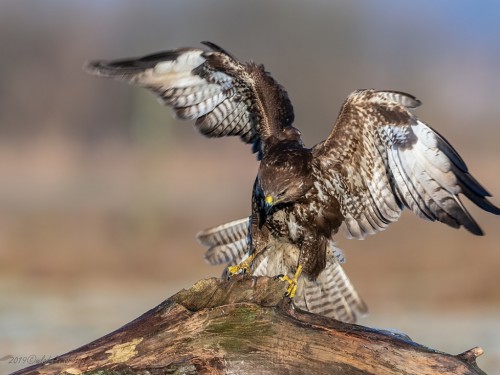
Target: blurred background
(102,192)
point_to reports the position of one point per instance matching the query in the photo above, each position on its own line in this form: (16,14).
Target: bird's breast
(277,223)
(289,224)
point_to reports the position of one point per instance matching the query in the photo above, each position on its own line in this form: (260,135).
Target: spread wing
(380,158)
(225,97)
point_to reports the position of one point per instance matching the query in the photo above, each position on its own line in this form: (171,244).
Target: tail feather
(224,234)
(331,294)
(228,253)
(227,243)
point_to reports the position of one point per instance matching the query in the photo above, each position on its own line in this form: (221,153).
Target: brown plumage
(378,159)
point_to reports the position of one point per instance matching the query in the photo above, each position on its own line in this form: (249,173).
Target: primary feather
(225,96)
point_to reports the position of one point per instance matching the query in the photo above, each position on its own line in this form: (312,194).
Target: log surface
(245,326)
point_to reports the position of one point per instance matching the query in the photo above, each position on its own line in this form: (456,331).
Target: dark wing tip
(484,203)
(470,224)
(131,65)
(103,68)
(476,231)
(216,48)
(93,67)
(493,209)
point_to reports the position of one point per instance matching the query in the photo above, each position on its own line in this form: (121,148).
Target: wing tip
(400,97)
(467,221)
(216,48)
(109,69)
(94,67)
(471,225)
(134,65)
(488,207)
(477,231)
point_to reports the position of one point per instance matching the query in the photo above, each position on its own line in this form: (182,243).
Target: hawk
(378,159)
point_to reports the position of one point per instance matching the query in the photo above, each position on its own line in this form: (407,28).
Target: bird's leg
(258,240)
(243,266)
(292,288)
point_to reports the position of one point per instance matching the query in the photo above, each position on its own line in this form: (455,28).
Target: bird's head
(285,177)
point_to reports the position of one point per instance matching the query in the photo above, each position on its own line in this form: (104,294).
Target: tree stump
(244,326)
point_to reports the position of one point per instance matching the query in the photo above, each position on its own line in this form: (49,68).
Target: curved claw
(233,270)
(243,266)
(292,288)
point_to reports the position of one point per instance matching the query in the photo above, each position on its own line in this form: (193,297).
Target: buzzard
(378,159)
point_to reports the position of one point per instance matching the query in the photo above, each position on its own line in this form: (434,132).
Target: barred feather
(229,253)
(226,97)
(227,243)
(379,157)
(330,294)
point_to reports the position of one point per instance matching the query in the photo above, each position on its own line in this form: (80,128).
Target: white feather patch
(186,61)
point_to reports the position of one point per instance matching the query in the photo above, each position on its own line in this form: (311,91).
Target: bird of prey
(378,159)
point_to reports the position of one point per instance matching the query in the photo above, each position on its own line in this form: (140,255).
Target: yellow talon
(243,266)
(292,288)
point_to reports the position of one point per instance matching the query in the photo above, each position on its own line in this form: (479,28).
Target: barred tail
(331,294)
(227,243)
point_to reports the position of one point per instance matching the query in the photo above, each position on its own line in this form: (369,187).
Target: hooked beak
(269,203)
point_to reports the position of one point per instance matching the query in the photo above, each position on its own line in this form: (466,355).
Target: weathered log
(245,326)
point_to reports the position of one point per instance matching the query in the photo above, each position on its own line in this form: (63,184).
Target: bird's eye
(282,193)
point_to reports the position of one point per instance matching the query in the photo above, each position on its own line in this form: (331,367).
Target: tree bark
(245,326)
